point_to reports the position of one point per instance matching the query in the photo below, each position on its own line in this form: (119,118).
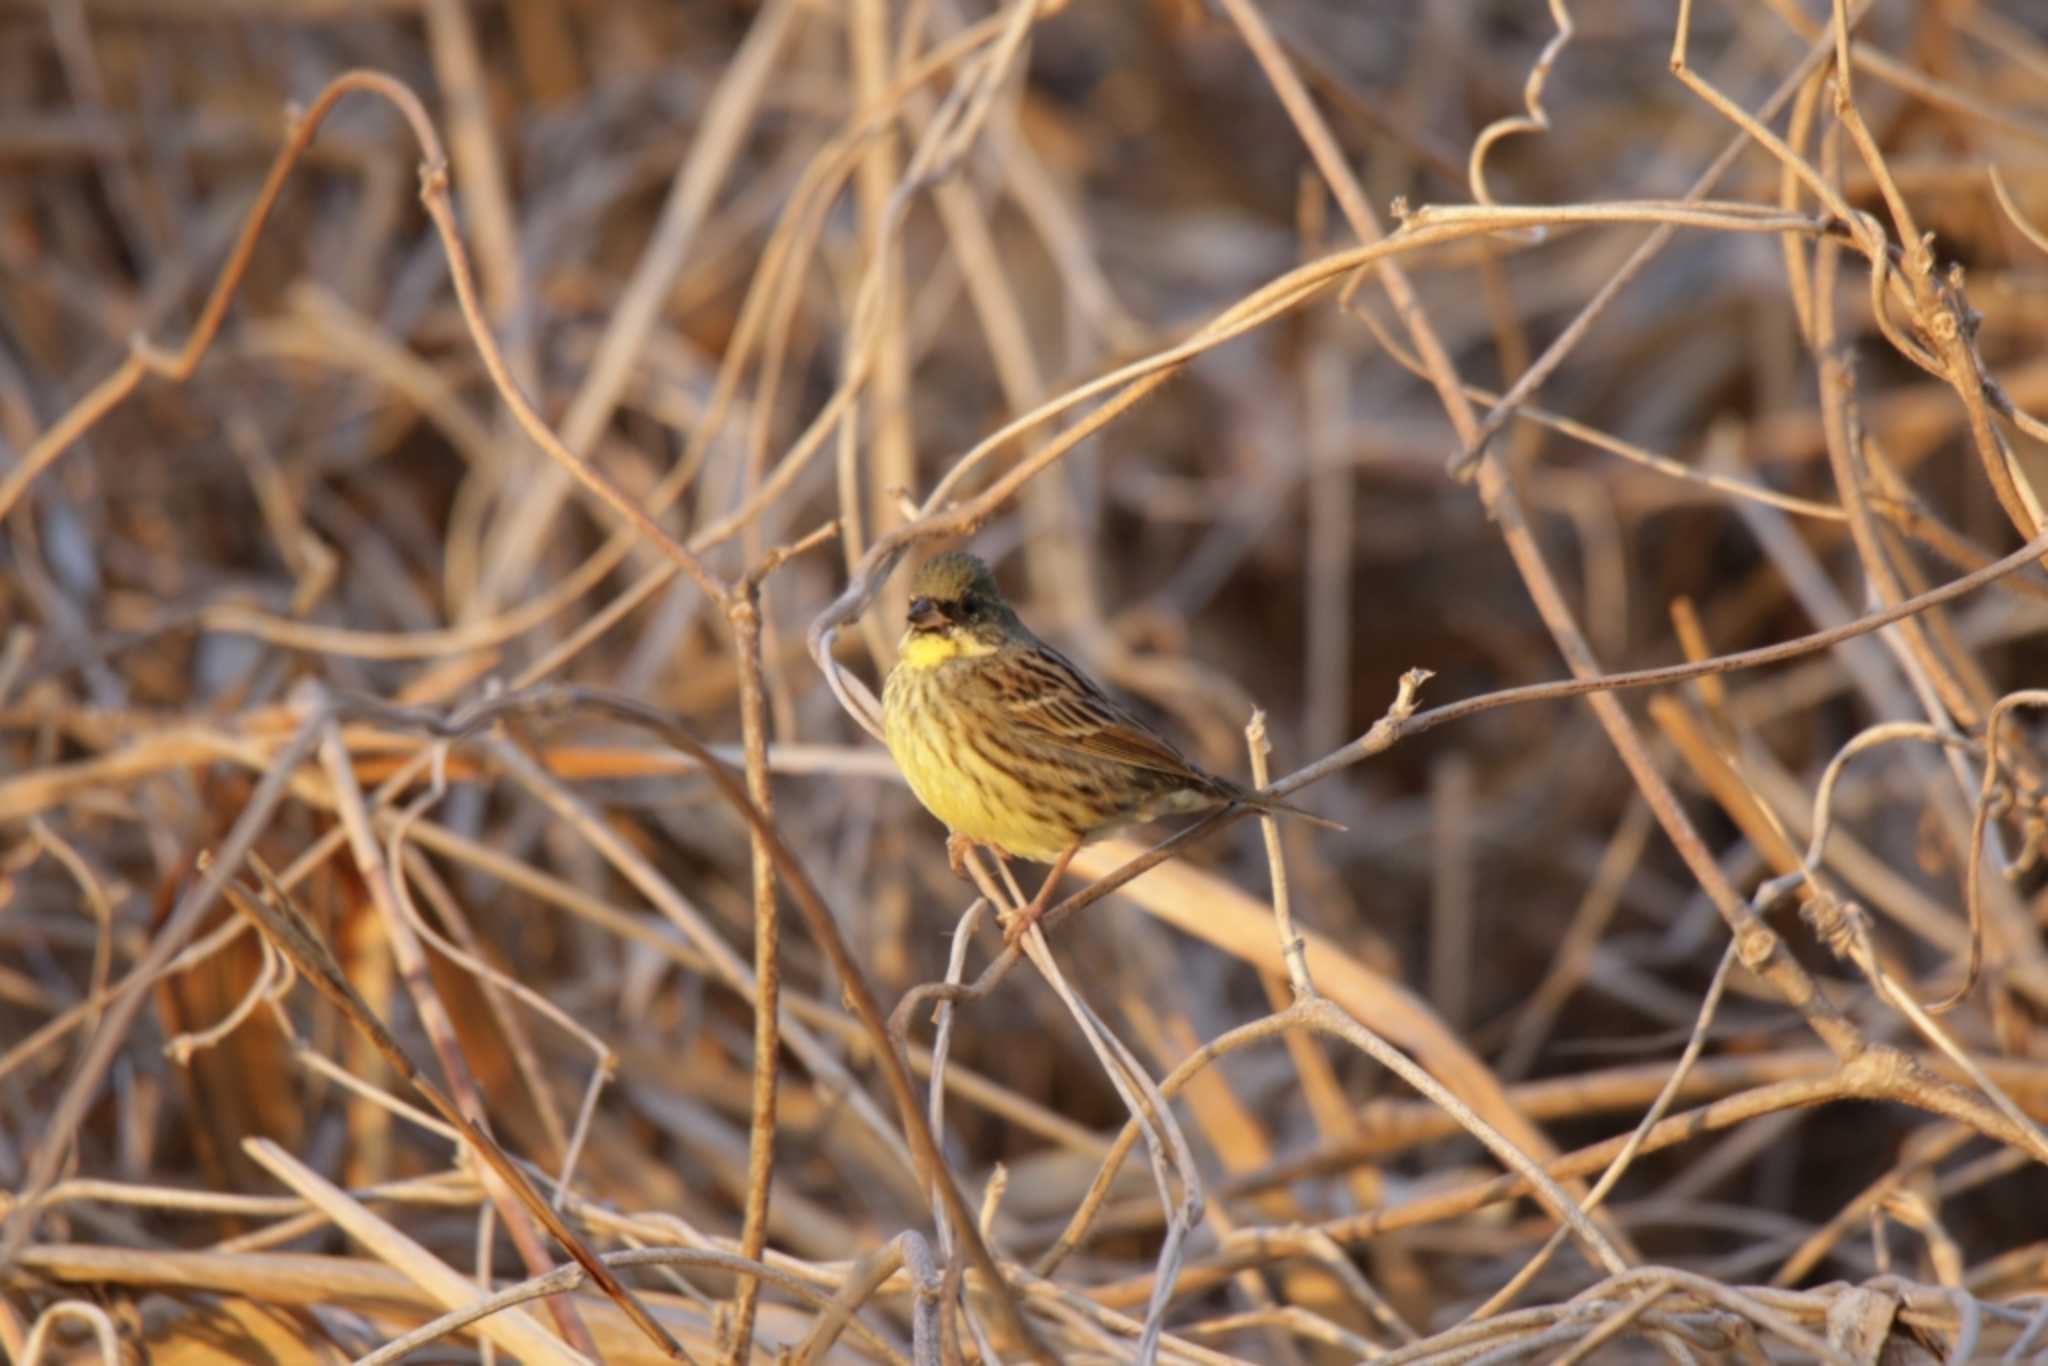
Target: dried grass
(475,616)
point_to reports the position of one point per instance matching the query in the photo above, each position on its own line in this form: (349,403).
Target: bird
(1013,747)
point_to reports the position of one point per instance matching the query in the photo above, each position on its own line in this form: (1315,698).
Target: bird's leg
(958,847)
(1021,923)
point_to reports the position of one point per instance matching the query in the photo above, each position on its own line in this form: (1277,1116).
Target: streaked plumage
(1006,741)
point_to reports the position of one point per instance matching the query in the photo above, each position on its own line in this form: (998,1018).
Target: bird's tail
(1275,807)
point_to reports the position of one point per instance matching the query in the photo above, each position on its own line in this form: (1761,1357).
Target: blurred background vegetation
(690,224)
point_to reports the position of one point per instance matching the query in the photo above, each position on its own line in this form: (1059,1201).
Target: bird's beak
(925,615)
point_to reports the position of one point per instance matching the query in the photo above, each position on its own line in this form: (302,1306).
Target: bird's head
(955,609)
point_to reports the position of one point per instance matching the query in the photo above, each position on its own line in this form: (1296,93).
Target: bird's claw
(1020,921)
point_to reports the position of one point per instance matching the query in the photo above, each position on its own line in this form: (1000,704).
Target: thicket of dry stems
(469,604)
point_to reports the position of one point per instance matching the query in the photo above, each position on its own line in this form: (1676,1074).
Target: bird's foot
(958,847)
(1022,922)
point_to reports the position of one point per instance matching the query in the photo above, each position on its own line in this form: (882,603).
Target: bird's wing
(1047,694)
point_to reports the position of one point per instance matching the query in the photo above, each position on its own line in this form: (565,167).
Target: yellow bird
(1005,740)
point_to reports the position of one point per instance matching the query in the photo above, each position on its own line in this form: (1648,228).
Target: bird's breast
(965,774)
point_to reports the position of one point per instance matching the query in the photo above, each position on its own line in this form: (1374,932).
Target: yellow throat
(929,649)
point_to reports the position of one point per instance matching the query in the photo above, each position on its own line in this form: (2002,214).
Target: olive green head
(954,595)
